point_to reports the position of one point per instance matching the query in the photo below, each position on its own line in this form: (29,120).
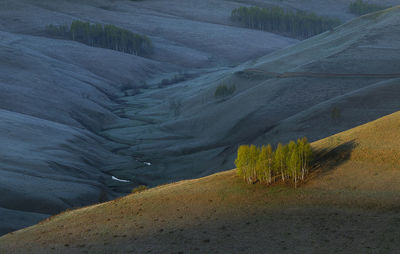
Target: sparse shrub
(224,90)
(299,24)
(175,105)
(360,7)
(108,7)
(164,82)
(139,188)
(130,88)
(175,79)
(178,78)
(103,36)
(288,162)
(144,85)
(335,113)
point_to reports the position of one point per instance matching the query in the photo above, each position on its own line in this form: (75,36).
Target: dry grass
(368,157)
(349,206)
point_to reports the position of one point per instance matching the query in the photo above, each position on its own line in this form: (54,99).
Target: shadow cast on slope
(330,158)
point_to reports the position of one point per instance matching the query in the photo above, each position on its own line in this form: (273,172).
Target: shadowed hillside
(56,96)
(350,77)
(348,205)
(74,118)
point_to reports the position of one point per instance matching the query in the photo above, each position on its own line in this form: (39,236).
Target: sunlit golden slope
(367,157)
(349,205)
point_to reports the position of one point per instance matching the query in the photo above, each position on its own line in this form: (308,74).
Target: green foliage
(293,162)
(139,188)
(265,168)
(280,160)
(242,161)
(359,7)
(224,90)
(299,24)
(253,157)
(288,162)
(58,31)
(103,36)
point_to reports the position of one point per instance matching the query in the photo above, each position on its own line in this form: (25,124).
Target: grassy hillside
(101,127)
(370,156)
(349,205)
(57,95)
(176,134)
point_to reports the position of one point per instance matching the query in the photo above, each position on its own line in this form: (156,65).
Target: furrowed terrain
(332,91)
(56,96)
(72,116)
(348,205)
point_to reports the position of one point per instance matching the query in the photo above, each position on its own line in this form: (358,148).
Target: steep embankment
(349,205)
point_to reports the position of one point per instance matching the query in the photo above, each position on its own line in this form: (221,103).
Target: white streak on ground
(120,180)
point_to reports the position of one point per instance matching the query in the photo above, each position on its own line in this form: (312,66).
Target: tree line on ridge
(299,24)
(103,36)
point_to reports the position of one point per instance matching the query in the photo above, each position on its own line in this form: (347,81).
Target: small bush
(335,113)
(139,188)
(359,7)
(175,105)
(224,90)
(175,79)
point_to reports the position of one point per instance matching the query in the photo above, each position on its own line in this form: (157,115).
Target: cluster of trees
(289,162)
(299,24)
(359,7)
(224,90)
(103,36)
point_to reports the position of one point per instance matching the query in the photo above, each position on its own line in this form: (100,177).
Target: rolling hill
(348,205)
(73,120)
(345,77)
(56,96)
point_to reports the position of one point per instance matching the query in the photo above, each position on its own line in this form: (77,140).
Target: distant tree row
(359,7)
(299,24)
(103,36)
(289,162)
